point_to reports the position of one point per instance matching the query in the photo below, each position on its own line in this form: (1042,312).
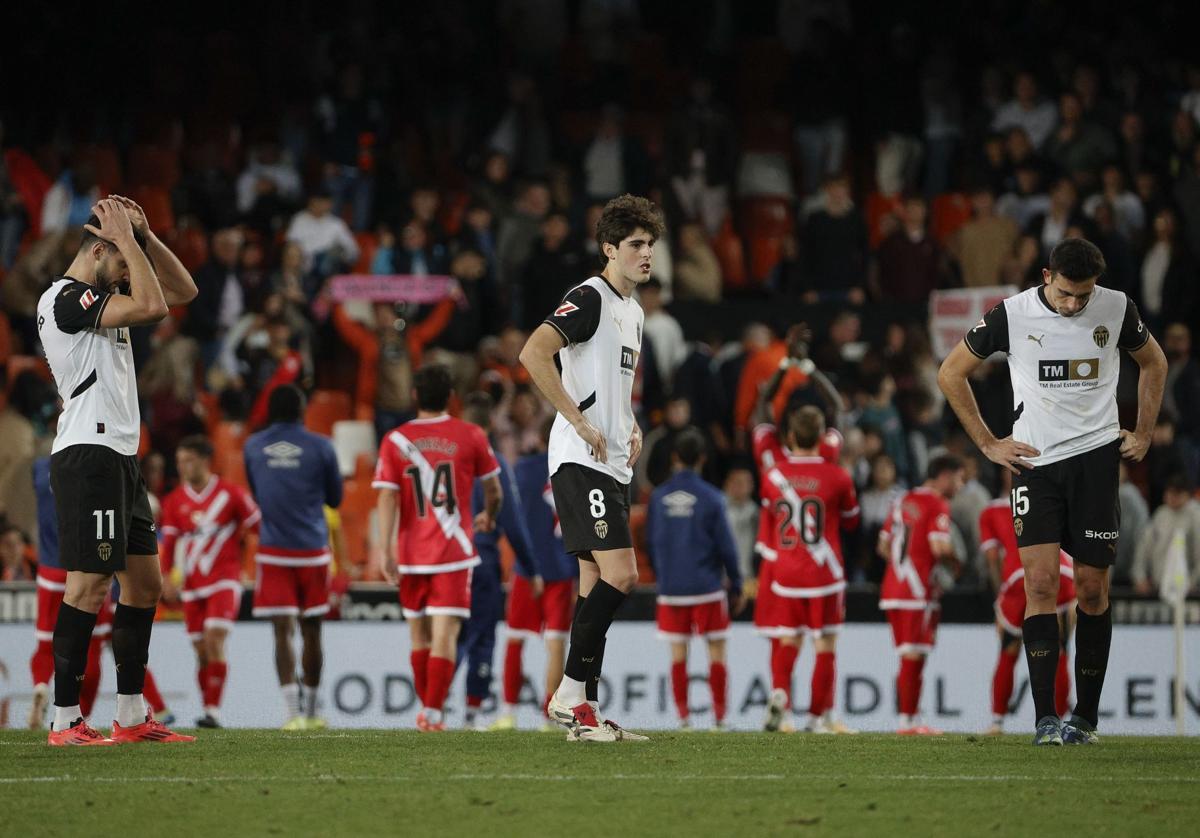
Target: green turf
(257,782)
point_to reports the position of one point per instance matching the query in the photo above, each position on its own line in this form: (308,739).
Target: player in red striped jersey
(203,522)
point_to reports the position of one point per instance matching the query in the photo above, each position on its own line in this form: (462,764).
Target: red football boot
(81,733)
(150,730)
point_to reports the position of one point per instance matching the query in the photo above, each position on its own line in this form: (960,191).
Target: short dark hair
(690,447)
(625,214)
(807,425)
(433,385)
(286,404)
(941,464)
(1077,260)
(198,444)
(1178,482)
(90,238)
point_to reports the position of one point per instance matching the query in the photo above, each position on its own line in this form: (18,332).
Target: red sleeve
(169,528)
(939,524)
(248,511)
(763,438)
(764,542)
(486,463)
(389,470)
(286,373)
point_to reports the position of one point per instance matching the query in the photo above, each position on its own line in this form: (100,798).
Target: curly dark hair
(623,215)
(1077,260)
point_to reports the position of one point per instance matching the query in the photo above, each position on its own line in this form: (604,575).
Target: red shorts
(914,629)
(1010,605)
(51,585)
(423,594)
(770,612)
(288,590)
(217,610)
(818,615)
(679,619)
(549,614)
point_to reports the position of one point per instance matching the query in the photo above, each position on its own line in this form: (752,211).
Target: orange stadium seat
(368,243)
(156,201)
(358,502)
(879,207)
(950,212)
(732,256)
(324,408)
(17,364)
(227,441)
(767,216)
(5,338)
(106,165)
(151,165)
(765,253)
(454,207)
(190,244)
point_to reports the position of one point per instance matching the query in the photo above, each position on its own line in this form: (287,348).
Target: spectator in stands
(1190,101)
(1063,213)
(1178,515)
(1023,267)
(822,78)
(942,104)
(1020,152)
(697,270)
(518,422)
(1135,151)
(1135,514)
(1165,458)
(897,111)
(834,247)
(324,238)
(1026,200)
(1181,393)
(1098,109)
(879,412)
(613,163)
(15,563)
(291,282)
(700,156)
(519,231)
(478,232)
(984,243)
(883,490)
(424,204)
(1182,145)
(1128,213)
(992,168)
(455,345)
(1079,147)
(1028,111)
(965,507)
(1123,263)
(23,285)
(69,201)
(17,453)
(350,122)
(655,467)
(522,135)
(494,190)
(219,301)
(278,364)
(14,217)
(1168,276)
(909,265)
(1187,196)
(167,381)
(661,329)
(742,512)
(269,184)
(555,266)
(415,254)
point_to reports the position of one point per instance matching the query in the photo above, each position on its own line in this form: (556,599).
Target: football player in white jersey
(121,276)
(1063,340)
(594,338)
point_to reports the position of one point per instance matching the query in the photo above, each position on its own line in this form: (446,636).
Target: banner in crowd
(954,312)
(367,680)
(388,288)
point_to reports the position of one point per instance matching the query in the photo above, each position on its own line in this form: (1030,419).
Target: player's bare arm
(635,444)
(953,380)
(389,517)
(1152,376)
(493,497)
(538,357)
(145,303)
(177,285)
(883,546)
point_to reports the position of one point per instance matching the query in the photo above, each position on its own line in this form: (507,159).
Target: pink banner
(388,288)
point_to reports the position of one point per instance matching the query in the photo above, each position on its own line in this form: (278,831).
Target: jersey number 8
(596,503)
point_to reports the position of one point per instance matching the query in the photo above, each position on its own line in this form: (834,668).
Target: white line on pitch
(364,778)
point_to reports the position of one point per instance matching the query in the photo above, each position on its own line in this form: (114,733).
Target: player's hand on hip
(594,438)
(1010,454)
(137,215)
(1134,447)
(635,444)
(114,222)
(484,522)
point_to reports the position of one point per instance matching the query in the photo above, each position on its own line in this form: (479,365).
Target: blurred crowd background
(827,162)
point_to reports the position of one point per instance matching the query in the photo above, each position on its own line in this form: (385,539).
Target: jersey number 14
(442,493)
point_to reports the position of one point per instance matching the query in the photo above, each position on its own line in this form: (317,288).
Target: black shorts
(1073,503)
(102,507)
(593,509)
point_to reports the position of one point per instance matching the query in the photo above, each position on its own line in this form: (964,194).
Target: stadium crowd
(815,165)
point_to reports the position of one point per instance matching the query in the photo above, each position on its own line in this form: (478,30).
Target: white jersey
(603,331)
(92,367)
(1064,369)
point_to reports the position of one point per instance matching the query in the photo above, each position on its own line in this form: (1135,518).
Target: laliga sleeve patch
(87,299)
(565,309)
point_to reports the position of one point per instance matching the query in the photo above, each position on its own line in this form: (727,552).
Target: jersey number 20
(443,488)
(812,522)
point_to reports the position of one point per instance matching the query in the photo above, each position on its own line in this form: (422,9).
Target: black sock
(72,635)
(1093,636)
(591,624)
(131,646)
(1041,654)
(592,687)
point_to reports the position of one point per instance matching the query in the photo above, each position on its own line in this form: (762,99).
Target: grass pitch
(256,782)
